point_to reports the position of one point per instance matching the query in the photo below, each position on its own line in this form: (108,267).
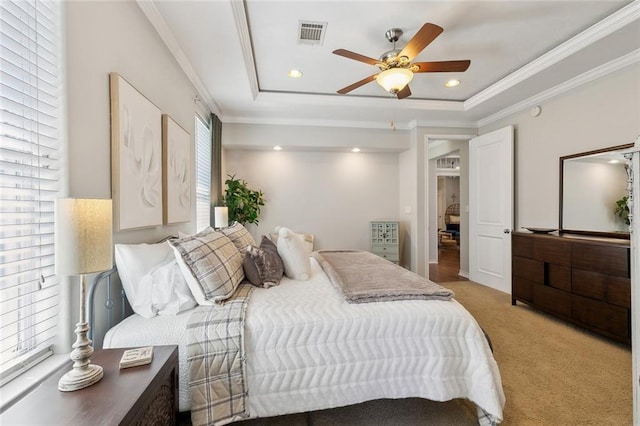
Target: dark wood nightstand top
(113,400)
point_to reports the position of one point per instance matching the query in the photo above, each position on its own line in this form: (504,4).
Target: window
(203,174)
(30,137)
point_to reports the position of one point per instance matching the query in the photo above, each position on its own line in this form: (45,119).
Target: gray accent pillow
(263,266)
(214,262)
(240,236)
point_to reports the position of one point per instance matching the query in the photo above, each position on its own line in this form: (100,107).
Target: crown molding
(443,123)
(584,78)
(359,101)
(157,21)
(276,121)
(610,24)
(242,26)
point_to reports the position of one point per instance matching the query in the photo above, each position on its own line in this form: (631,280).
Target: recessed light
(277,148)
(614,161)
(294,73)
(355,150)
(452,83)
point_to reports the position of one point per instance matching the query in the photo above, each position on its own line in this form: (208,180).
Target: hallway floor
(448,266)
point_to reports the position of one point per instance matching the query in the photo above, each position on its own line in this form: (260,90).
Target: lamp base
(83,373)
(80,378)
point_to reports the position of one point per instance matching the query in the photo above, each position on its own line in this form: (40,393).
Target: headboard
(107,305)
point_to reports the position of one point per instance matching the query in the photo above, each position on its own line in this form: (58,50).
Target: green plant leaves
(622,209)
(243,203)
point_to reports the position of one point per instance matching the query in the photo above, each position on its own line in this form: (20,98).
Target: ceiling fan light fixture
(395,79)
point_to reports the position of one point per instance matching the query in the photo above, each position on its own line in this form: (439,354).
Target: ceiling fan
(396,69)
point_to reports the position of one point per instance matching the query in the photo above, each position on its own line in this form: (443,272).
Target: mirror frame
(561,230)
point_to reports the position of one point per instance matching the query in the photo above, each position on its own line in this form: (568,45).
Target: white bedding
(307,349)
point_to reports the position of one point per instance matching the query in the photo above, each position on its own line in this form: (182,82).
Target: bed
(307,349)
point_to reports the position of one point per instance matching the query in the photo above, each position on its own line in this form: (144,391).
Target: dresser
(143,395)
(584,280)
(385,239)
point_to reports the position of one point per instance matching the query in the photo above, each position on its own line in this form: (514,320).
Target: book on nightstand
(136,357)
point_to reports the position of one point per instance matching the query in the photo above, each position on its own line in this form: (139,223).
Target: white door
(491,208)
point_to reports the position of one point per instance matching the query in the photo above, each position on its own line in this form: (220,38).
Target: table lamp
(83,245)
(221,217)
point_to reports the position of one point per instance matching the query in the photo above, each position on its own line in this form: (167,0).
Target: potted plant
(243,202)
(622,209)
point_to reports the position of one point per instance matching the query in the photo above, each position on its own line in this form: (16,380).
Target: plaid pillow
(240,236)
(214,261)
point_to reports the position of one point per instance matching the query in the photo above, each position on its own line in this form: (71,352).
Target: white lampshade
(393,80)
(221,217)
(83,236)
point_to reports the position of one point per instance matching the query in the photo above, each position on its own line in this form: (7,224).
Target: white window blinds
(203,174)
(30,108)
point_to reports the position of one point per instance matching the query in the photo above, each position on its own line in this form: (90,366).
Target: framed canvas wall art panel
(176,148)
(136,157)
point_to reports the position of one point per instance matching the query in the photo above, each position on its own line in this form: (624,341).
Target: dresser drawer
(388,249)
(588,284)
(559,276)
(556,301)
(552,251)
(618,291)
(532,270)
(522,246)
(604,259)
(391,255)
(606,317)
(522,288)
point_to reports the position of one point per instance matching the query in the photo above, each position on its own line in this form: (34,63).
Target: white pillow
(171,294)
(143,281)
(294,255)
(307,239)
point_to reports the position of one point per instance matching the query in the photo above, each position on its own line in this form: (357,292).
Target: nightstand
(145,394)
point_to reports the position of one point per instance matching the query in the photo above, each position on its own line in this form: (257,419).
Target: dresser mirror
(591,183)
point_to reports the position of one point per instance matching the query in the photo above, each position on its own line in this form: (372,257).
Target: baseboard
(463,274)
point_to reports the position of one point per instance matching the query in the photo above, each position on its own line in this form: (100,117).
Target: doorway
(448,219)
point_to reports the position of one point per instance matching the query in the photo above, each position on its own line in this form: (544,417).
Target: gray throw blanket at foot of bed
(364,277)
(216,359)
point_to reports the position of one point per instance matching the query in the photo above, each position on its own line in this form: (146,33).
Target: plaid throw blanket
(216,359)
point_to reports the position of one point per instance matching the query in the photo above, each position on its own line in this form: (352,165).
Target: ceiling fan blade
(443,66)
(422,39)
(357,84)
(356,56)
(405,92)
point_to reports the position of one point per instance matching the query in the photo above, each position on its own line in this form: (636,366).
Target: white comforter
(307,349)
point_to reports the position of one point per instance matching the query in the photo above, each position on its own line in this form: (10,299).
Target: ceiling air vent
(311,32)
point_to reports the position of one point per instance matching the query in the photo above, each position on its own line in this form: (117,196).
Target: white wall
(311,138)
(104,37)
(601,114)
(115,36)
(333,195)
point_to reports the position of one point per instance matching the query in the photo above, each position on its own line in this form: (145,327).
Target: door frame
(634,185)
(430,219)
